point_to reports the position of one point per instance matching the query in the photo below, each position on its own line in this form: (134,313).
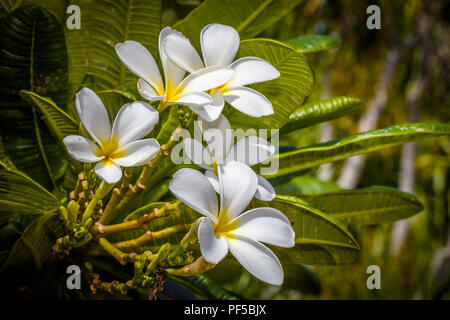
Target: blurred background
(401,74)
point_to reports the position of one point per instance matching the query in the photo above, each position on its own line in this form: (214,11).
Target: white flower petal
(219,44)
(180,50)
(173,74)
(139,61)
(266,225)
(208,112)
(238,185)
(265,191)
(211,176)
(250,70)
(205,79)
(108,171)
(213,249)
(93,115)
(147,92)
(218,136)
(197,153)
(248,101)
(251,150)
(134,121)
(259,260)
(194,98)
(82,149)
(193,189)
(137,153)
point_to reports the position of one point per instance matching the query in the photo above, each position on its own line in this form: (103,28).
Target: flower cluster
(228,184)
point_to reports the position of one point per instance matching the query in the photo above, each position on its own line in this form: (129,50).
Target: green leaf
(104,23)
(320,111)
(249,17)
(167,123)
(320,239)
(35,245)
(59,122)
(286,93)
(367,206)
(365,142)
(20,194)
(56,7)
(307,185)
(300,278)
(32,57)
(314,43)
(204,287)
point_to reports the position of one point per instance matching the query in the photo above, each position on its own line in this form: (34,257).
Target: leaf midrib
(253,16)
(352,213)
(309,241)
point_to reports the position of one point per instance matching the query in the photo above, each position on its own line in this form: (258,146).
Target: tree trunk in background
(407,176)
(325,171)
(407,162)
(353,167)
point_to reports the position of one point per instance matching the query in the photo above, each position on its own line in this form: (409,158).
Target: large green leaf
(32,57)
(314,43)
(35,245)
(60,123)
(319,111)
(104,23)
(368,205)
(56,7)
(20,194)
(300,278)
(339,149)
(306,184)
(286,93)
(204,287)
(249,17)
(320,239)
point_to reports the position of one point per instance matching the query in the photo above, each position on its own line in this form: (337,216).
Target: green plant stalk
(138,223)
(120,202)
(162,254)
(198,266)
(101,192)
(120,256)
(88,237)
(150,236)
(64,216)
(189,238)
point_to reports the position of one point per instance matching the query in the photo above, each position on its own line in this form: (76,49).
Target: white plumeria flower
(117,147)
(219,44)
(249,150)
(226,228)
(176,90)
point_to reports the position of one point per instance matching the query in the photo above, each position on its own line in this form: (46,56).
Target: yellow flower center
(224,225)
(110,150)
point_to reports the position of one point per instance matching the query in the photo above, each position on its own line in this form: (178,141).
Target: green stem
(189,238)
(101,192)
(149,236)
(120,256)
(122,201)
(138,223)
(161,255)
(198,266)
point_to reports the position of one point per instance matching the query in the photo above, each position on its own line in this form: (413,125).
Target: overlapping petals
(219,44)
(116,147)
(249,150)
(227,229)
(176,89)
